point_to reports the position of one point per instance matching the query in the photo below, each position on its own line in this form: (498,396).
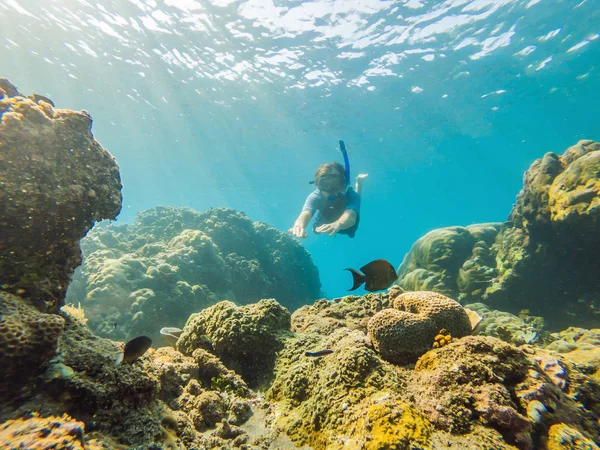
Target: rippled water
(235,103)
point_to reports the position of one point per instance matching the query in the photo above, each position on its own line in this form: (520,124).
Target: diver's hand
(298,231)
(361,177)
(329,228)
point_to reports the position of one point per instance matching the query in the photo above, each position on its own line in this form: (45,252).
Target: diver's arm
(299,228)
(346,220)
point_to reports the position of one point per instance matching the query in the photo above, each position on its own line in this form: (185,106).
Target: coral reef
(543,258)
(60,387)
(343,400)
(57,180)
(246,338)
(353,312)
(404,333)
(172,262)
(563,437)
(164,397)
(483,379)
(555,231)
(475,392)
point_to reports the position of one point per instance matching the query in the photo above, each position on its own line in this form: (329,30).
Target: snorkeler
(335,205)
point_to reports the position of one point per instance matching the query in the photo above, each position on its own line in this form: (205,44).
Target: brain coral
(403,334)
(27,337)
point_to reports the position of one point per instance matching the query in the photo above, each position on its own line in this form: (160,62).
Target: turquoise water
(235,103)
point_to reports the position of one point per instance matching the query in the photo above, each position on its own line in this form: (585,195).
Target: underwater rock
(205,408)
(351,400)
(28,339)
(213,374)
(174,371)
(57,180)
(404,333)
(246,338)
(555,234)
(476,392)
(120,399)
(469,379)
(172,262)
(484,380)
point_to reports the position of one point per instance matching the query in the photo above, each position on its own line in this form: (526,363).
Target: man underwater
(335,205)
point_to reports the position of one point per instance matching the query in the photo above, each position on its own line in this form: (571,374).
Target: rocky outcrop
(57,180)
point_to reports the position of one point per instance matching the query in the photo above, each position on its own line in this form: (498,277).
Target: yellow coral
(442,338)
(395,425)
(76,312)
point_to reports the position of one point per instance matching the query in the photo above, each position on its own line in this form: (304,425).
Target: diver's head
(330,178)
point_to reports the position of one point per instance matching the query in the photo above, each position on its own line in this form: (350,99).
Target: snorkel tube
(346,164)
(346,161)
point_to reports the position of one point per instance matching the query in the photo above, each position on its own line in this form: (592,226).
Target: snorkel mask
(332,183)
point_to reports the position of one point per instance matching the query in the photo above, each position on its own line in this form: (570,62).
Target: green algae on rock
(57,180)
(246,338)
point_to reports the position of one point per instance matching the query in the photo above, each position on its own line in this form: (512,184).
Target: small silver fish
(171,334)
